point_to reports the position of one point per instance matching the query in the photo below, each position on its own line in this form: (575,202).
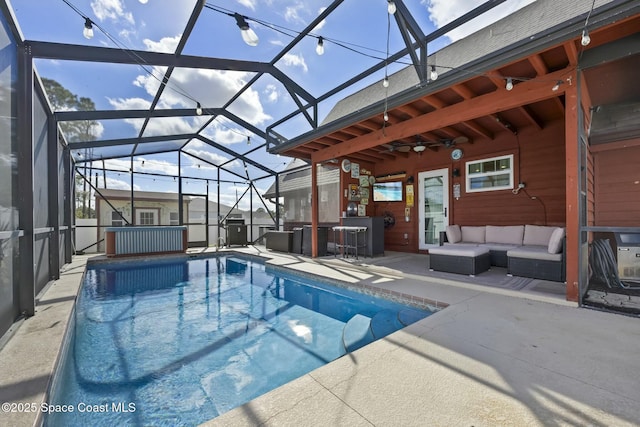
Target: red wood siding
(617,187)
(542,168)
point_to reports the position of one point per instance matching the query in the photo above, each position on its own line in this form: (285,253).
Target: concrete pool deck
(493,357)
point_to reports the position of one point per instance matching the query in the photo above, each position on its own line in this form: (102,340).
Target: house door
(433,206)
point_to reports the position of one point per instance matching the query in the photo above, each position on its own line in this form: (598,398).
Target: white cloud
(140,164)
(322,23)
(111,9)
(212,88)
(118,184)
(166,44)
(291,13)
(441,12)
(293,60)
(250,4)
(271,92)
(211,157)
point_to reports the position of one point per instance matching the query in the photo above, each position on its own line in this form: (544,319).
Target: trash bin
(296,244)
(323,233)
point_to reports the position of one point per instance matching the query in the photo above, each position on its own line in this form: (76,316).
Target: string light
(248,35)
(385,81)
(509,85)
(144,1)
(391,7)
(87,32)
(386,116)
(434,73)
(198,109)
(586,39)
(320,46)
(557,85)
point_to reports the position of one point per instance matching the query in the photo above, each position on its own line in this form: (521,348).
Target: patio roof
(469,102)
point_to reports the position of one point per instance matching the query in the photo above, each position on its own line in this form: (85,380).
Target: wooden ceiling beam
(410,110)
(572,52)
(463,91)
(538,64)
(491,103)
(434,102)
(526,111)
(480,130)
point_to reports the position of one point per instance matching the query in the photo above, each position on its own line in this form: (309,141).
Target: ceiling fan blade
(460,139)
(403,148)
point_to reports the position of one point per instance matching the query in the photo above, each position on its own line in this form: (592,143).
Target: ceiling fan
(450,142)
(420,145)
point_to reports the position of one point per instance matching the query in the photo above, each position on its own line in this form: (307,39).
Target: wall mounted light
(87,32)
(248,35)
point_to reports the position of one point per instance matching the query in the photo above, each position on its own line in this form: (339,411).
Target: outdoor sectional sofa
(525,250)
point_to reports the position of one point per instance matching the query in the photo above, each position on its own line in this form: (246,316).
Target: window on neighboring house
(491,174)
(116,219)
(146,217)
(174,218)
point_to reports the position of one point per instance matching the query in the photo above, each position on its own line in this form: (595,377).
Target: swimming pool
(180,341)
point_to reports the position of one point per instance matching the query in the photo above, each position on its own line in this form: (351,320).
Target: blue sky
(158,24)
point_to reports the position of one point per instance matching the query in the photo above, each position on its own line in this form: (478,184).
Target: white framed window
(174,218)
(491,174)
(146,216)
(116,219)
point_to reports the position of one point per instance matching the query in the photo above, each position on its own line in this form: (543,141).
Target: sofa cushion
(454,235)
(472,234)
(555,242)
(534,252)
(538,235)
(508,235)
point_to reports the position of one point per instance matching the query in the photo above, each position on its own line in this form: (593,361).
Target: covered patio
(549,122)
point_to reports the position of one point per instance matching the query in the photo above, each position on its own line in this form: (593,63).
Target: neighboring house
(197,211)
(114,209)
(295,191)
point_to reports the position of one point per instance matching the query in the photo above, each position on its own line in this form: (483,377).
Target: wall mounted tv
(387,191)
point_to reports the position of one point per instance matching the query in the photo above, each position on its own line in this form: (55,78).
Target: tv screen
(387,191)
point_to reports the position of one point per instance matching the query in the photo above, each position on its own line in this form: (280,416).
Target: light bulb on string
(248,35)
(386,116)
(509,84)
(391,7)
(320,46)
(144,1)
(586,39)
(198,109)
(87,32)
(434,73)
(385,81)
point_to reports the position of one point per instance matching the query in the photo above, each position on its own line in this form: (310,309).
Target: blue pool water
(180,342)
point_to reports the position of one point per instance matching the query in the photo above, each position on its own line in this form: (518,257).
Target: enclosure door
(433,205)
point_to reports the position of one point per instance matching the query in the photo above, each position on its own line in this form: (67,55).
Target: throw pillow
(555,242)
(454,235)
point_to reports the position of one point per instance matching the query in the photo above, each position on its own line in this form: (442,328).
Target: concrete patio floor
(493,357)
